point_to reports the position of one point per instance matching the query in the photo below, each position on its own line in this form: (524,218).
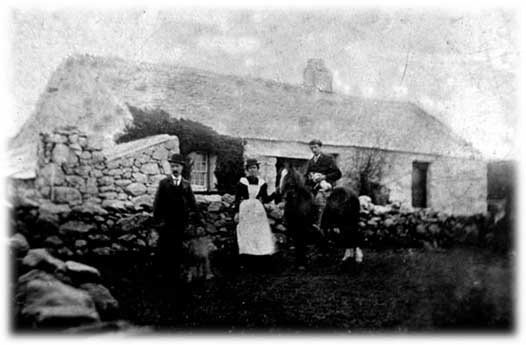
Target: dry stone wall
(75,174)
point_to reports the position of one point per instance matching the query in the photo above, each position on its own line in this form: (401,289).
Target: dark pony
(342,211)
(299,210)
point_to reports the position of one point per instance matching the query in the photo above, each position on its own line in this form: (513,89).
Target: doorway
(419,184)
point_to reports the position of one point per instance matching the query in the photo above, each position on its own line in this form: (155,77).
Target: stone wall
(75,174)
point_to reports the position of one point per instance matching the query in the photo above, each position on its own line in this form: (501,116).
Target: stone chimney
(317,76)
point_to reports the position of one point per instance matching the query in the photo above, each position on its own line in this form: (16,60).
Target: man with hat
(174,203)
(321,175)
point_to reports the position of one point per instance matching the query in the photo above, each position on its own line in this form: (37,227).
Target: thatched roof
(233,105)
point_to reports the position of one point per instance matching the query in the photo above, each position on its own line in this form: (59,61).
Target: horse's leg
(299,242)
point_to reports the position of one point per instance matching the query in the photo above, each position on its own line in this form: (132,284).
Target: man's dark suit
(172,207)
(325,165)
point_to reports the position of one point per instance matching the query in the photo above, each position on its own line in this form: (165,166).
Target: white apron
(254,236)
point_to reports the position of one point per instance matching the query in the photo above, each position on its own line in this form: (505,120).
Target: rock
(90,208)
(228,198)
(49,302)
(172,145)
(274,212)
(53,241)
(127,238)
(372,223)
(140,178)
(280,228)
(76,182)
(67,195)
(52,175)
(99,238)
(76,226)
(141,159)
(150,169)
(106,181)
(428,246)
(48,208)
(113,164)
(421,229)
(143,200)
(211,229)
(107,306)
(91,186)
(81,273)
(214,206)
(63,155)
(379,210)
(136,221)
(212,198)
(152,239)
(122,196)
(86,155)
(406,209)
(433,229)
(108,195)
(41,259)
(154,180)
(81,243)
(365,202)
(65,252)
(122,183)
(136,189)
(160,154)
(388,222)
(165,167)
(95,143)
(76,148)
(114,172)
(127,162)
(58,138)
(97,157)
(18,245)
(102,251)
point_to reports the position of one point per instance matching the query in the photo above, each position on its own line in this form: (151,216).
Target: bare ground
(463,289)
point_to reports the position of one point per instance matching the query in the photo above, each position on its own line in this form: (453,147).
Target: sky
(459,65)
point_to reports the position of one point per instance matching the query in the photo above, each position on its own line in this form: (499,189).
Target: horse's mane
(294,178)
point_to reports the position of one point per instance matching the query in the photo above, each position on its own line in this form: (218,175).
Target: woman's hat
(177,158)
(251,162)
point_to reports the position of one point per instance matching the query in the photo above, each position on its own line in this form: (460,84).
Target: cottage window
(202,177)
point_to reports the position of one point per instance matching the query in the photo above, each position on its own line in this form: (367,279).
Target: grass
(463,289)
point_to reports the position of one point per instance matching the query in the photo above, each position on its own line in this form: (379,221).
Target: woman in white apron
(254,236)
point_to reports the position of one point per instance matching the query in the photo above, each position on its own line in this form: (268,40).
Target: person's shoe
(359,255)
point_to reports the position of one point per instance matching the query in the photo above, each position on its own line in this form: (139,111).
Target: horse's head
(291,181)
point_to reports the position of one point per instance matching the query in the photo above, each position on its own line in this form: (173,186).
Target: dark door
(419,184)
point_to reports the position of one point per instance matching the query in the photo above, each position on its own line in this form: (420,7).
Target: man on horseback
(321,175)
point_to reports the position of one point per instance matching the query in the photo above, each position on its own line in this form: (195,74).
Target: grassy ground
(465,289)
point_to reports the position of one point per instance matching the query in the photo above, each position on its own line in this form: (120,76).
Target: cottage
(424,164)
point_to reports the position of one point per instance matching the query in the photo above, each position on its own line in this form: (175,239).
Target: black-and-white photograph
(261,170)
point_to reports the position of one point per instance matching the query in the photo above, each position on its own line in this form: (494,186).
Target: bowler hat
(177,158)
(251,162)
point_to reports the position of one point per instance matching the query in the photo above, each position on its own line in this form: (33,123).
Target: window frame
(206,159)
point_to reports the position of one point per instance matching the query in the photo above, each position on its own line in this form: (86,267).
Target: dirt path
(464,289)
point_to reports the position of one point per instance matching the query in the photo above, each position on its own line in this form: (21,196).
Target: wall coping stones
(121,150)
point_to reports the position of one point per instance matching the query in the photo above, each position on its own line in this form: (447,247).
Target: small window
(199,175)
(202,176)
